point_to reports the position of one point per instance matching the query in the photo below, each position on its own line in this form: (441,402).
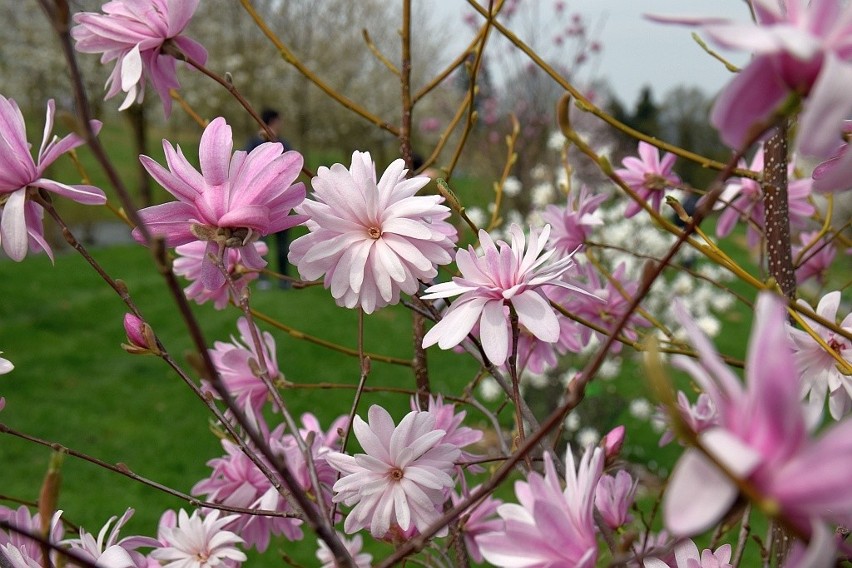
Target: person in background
(272,119)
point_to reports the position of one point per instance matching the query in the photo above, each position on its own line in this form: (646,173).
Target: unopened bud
(49,494)
(613,442)
(140,337)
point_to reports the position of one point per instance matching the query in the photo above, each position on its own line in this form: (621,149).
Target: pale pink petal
(214,151)
(13,226)
(829,104)
(494,332)
(748,101)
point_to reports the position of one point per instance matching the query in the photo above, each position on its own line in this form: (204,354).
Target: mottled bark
(778,248)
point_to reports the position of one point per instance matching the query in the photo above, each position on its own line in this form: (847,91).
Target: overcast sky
(637,52)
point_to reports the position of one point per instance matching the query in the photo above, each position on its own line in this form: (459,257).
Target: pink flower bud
(613,442)
(139,335)
(133,327)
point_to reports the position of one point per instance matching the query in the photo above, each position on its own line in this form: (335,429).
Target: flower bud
(613,442)
(140,337)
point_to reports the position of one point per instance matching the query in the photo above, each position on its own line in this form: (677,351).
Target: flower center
(656,182)
(228,236)
(374,232)
(396,474)
(836,344)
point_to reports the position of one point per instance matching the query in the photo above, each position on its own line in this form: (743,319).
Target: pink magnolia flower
(477,521)
(698,417)
(23,551)
(572,223)
(235,199)
(511,276)
(818,369)
(815,262)
(139,37)
(237,481)
(199,543)
(614,496)
(353,546)
(835,174)
(649,176)
(20,176)
(238,365)
(400,481)
(189,262)
(324,442)
(450,421)
(107,550)
(742,199)
(761,438)
(686,556)
(613,442)
(800,49)
(603,305)
(372,239)
(551,527)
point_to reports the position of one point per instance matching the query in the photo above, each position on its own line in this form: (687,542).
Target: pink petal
(13,226)
(86,194)
(820,124)
(494,332)
(748,102)
(699,493)
(456,324)
(215,150)
(535,314)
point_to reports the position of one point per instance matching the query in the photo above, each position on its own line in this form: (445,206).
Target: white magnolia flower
(197,543)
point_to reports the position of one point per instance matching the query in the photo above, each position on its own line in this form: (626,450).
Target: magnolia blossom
(761,438)
(20,550)
(232,202)
(353,546)
(237,481)
(451,422)
(551,526)
(819,370)
(835,174)
(698,417)
(604,304)
(478,520)
(139,37)
(400,481)
(107,550)
(238,363)
(742,198)
(369,239)
(21,176)
(649,176)
(813,257)
(491,283)
(686,556)
(614,496)
(801,49)
(190,260)
(199,543)
(572,223)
